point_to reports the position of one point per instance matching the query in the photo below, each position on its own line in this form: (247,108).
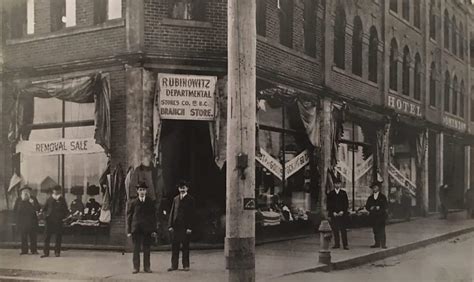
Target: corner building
(365,88)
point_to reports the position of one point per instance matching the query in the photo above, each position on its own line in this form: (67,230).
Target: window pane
(79,111)
(40,173)
(79,132)
(45,134)
(47,110)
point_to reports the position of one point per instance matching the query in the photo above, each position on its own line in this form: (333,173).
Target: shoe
(135,271)
(44,256)
(384,247)
(374,246)
(148,270)
(172,269)
(34,253)
(346,248)
(336,247)
(186,269)
(57,255)
(23,253)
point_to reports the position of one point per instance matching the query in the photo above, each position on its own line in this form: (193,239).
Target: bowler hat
(182,183)
(56,188)
(375,183)
(142,185)
(26,187)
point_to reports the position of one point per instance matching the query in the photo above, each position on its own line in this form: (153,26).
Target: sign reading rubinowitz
(186,97)
(59,147)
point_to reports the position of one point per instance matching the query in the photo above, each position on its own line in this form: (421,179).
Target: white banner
(186,97)
(59,147)
(401,179)
(360,170)
(275,167)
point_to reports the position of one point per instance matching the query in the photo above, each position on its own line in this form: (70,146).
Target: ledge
(68,32)
(186,23)
(406,22)
(355,77)
(287,49)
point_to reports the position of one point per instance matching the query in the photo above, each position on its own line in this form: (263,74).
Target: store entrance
(454,171)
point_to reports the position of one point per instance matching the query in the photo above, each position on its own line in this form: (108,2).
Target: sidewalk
(272,260)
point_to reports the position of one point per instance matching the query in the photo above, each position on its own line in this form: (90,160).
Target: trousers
(141,241)
(31,234)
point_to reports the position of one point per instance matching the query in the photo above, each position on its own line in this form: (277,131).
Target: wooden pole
(241,117)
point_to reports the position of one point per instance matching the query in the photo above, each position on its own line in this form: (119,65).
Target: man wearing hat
(141,226)
(377,207)
(55,211)
(337,205)
(181,225)
(26,207)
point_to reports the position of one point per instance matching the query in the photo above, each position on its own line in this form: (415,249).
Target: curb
(364,259)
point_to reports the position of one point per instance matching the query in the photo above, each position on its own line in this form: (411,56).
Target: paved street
(272,260)
(451,260)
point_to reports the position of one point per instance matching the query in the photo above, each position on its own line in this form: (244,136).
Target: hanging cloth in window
(309,117)
(87,89)
(218,127)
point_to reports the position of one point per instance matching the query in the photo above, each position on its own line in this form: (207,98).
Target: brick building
(399,70)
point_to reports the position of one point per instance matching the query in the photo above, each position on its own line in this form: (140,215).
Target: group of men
(55,211)
(337,207)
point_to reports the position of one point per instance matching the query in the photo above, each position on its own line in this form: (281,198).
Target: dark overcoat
(182,216)
(141,216)
(377,216)
(54,212)
(25,212)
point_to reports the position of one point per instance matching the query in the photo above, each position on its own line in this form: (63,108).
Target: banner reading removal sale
(186,97)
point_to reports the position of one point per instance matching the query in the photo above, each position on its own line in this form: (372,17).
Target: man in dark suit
(141,226)
(377,207)
(180,225)
(337,205)
(55,211)
(26,207)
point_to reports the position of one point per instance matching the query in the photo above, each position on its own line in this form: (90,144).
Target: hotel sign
(186,97)
(454,123)
(404,106)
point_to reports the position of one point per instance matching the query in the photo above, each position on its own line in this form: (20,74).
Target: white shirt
(337,191)
(376,195)
(181,196)
(142,199)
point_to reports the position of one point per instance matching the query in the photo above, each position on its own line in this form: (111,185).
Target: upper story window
(340,37)
(393,65)
(447,88)
(107,10)
(63,14)
(446,29)
(261,17)
(461,41)
(454,40)
(454,103)
(417,77)
(286,22)
(373,54)
(188,9)
(433,85)
(19,18)
(432,20)
(472,104)
(406,9)
(406,71)
(310,27)
(357,47)
(417,14)
(394,5)
(461,99)
(471,49)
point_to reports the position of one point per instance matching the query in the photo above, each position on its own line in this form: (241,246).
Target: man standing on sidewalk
(377,207)
(55,211)
(338,204)
(443,199)
(180,225)
(141,226)
(25,209)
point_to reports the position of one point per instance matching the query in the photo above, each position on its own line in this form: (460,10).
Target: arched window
(471,48)
(261,17)
(406,71)
(417,14)
(462,100)
(446,29)
(432,19)
(394,5)
(406,9)
(310,27)
(357,47)
(433,85)
(454,33)
(286,23)
(394,65)
(472,103)
(373,54)
(461,41)
(417,77)
(340,37)
(447,96)
(454,103)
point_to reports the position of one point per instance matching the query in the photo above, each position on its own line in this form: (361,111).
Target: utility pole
(241,118)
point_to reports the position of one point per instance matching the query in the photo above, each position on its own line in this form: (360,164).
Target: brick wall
(182,37)
(118,119)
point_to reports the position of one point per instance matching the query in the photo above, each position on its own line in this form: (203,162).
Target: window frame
(417,78)
(339,42)
(286,19)
(393,6)
(433,100)
(357,46)
(447,94)
(417,14)
(446,30)
(393,71)
(406,72)
(406,10)
(373,54)
(310,22)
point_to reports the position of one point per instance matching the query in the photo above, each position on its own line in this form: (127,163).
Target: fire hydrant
(325,235)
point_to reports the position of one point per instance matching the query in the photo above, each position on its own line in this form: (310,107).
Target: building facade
(389,81)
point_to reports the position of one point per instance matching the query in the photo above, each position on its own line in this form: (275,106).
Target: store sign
(186,97)
(454,123)
(360,170)
(59,147)
(401,179)
(275,167)
(404,106)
